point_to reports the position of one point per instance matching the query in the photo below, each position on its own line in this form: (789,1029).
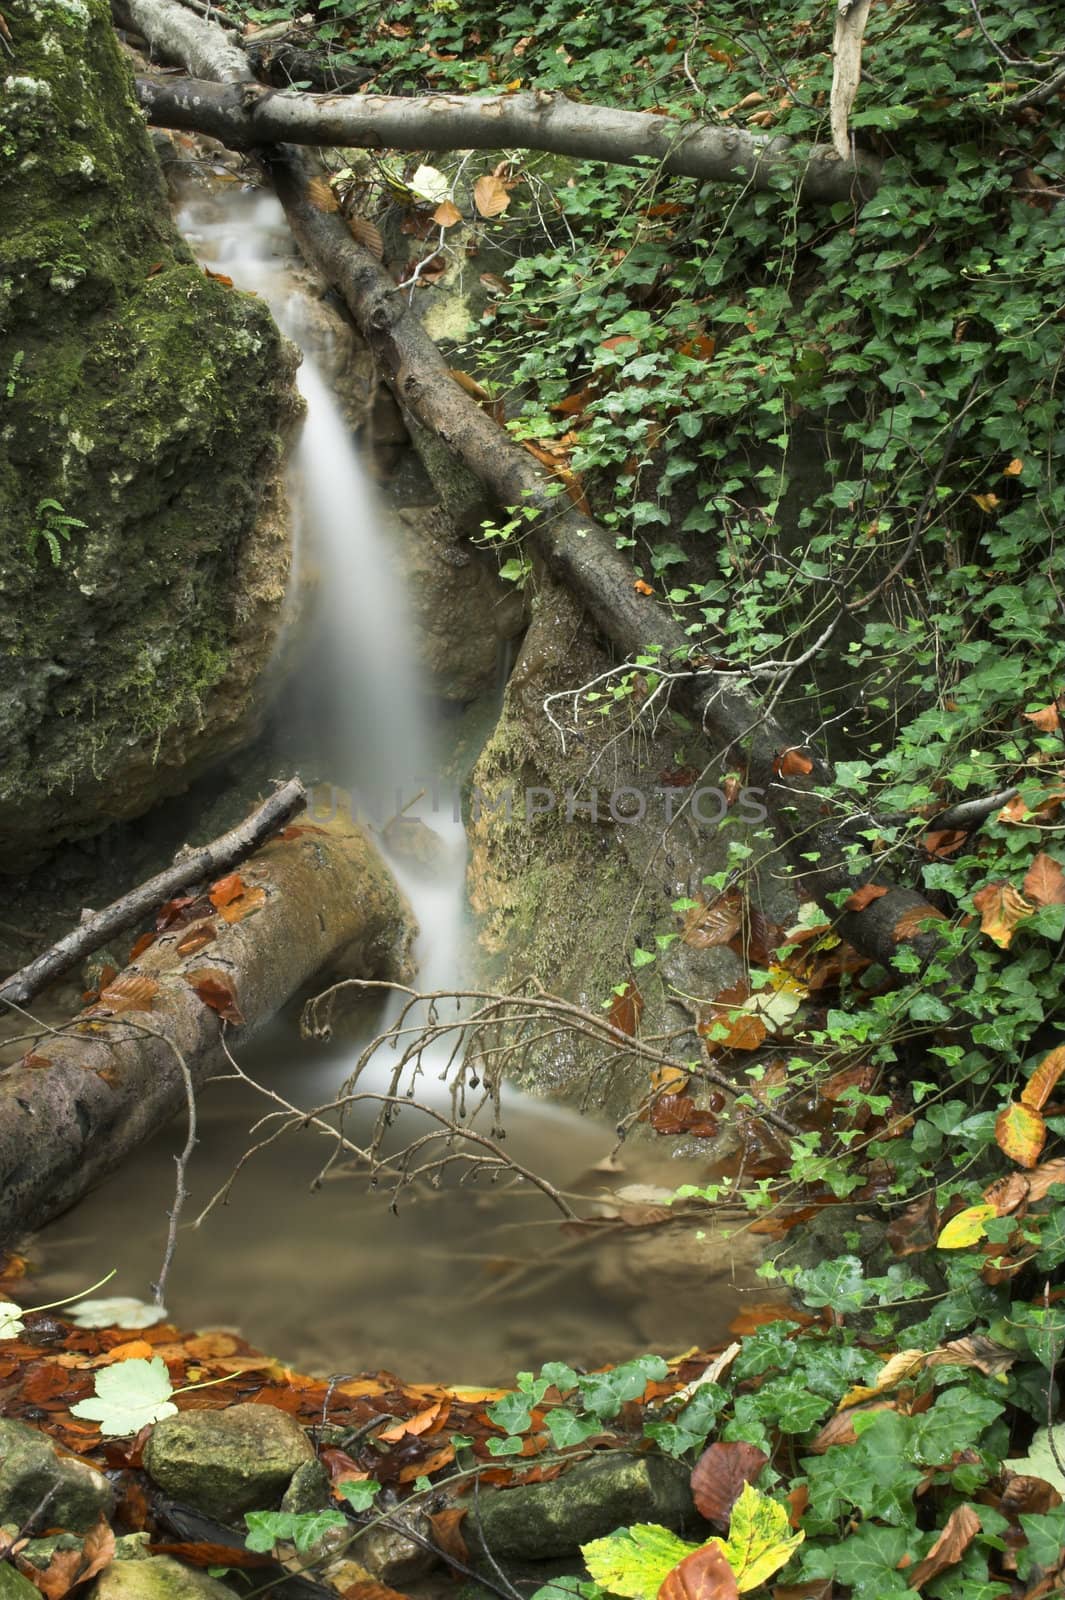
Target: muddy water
(467,1282)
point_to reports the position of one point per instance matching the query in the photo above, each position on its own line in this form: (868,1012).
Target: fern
(52,524)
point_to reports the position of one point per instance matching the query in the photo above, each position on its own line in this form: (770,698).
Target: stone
(227,1462)
(13,1586)
(158,1578)
(30,1466)
(546,1521)
(390,1555)
(309,1490)
(144,541)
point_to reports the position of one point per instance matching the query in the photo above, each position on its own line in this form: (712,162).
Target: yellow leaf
(760,1538)
(1001,908)
(1015,468)
(1020,1133)
(966,1228)
(902,1365)
(1041,1084)
(986,502)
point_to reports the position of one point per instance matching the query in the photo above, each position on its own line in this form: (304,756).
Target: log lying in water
(314,898)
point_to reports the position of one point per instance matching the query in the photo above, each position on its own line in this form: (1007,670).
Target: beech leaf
(719,1476)
(1020,1133)
(704,1575)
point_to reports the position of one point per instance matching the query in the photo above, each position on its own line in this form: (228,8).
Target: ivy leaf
(302,1528)
(362,1492)
(565,1428)
(129,1395)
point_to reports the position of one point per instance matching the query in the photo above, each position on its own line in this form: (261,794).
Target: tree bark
(88,1093)
(177,34)
(190,867)
(246,116)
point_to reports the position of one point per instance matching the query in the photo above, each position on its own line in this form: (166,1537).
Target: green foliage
(304,1529)
(51,524)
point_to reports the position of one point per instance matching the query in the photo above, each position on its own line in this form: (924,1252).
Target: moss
(145,400)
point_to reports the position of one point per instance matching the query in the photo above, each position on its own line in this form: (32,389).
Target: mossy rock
(30,1468)
(227,1462)
(143,529)
(159,1578)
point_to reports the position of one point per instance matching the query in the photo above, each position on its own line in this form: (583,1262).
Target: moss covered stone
(143,405)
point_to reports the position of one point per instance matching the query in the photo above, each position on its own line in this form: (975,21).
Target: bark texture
(87,1094)
(246,115)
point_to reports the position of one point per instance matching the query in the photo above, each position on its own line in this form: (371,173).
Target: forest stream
(469,1281)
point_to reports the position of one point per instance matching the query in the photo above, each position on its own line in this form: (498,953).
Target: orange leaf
(428,1465)
(419,1423)
(719,1475)
(367,233)
(986,502)
(792,764)
(216,992)
(132,1350)
(1046,1177)
(141,945)
(447,214)
(913,921)
(864,896)
(251,900)
(226,889)
(1044,882)
(198,935)
(320,194)
(1020,1133)
(1041,1084)
(70,1567)
(704,1575)
(219,277)
(447,1532)
(943,842)
(642,588)
(131,991)
(959,1531)
(1047,721)
(1001,908)
(490,195)
(678,1113)
(1015,468)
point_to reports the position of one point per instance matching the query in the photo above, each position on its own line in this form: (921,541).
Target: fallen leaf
(965,1228)
(490,195)
(1048,720)
(216,992)
(130,991)
(428,1464)
(198,936)
(419,1423)
(447,214)
(1014,469)
(252,899)
(320,194)
(913,922)
(142,944)
(132,1350)
(840,1428)
(626,1010)
(366,233)
(1007,1193)
(1024,1495)
(1044,882)
(944,842)
(1045,1177)
(219,277)
(704,1575)
(678,1113)
(1020,1133)
(959,1531)
(915,1229)
(986,502)
(708,925)
(792,764)
(641,587)
(68,1568)
(204,1554)
(225,890)
(974,1351)
(719,1475)
(1044,1079)
(1001,908)
(864,896)
(447,1533)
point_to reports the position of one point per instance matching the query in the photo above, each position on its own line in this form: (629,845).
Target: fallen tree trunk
(190,867)
(247,116)
(583,555)
(86,1094)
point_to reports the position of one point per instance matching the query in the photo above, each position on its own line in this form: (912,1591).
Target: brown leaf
(1007,1193)
(719,1475)
(944,842)
(225,890)
(219,277)
(1045,1177)
(447,1533)
(642,586)
(1044,1079)
(369,1590)
(203,1554)
(320,194)
(974,1351)
(792,764)
(428,1464)
(142,944)
(864,896)
(490,195)
(1044,882)
(704,1575)
(447,214)
(367,233)
(1047,721)
(1027,1496)
(68,1568)
(626,1010)
(215,990)
(1020,1133)
(911,924)
(198,935)
(1001,908)
(840,1428)
(252,899)
(714,924)
(959,1531)
(32,1060)
(131,991)
(678,1113)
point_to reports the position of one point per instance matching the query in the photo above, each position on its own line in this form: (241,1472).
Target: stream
(469,1281)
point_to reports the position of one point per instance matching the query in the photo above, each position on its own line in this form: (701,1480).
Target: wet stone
(30,1467)
(227,1462)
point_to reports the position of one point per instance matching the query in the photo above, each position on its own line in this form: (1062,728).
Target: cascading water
(464,1284)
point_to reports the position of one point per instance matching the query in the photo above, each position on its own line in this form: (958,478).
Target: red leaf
(627,1009)
(719,1475)
(704,1575)
(215,991)
(141,945)
(864,896)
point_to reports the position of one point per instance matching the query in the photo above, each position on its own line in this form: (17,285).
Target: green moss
(144,398)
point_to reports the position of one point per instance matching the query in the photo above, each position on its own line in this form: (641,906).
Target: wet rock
(30,1467)
(145,553)
(157,1578)
(414,843)
(308,1490)
(389,1553)
(227,1462)
(461,610)
(544,1521)
(13,1586)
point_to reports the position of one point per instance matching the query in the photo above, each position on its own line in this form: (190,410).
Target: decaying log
(177,34)
(316,897)
(246,116)
(190,867)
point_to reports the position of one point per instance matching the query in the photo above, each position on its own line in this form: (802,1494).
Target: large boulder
(157,1578)
(143,529)
(30,1469)
(227,1462)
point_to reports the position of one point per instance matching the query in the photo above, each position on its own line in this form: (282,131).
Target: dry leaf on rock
(864,896)
(216,991)
(131,991)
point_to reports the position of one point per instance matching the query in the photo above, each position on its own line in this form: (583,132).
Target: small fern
(52,524)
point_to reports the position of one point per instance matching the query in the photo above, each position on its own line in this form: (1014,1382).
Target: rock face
(143,406)
(30,1467)
(227,1462)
